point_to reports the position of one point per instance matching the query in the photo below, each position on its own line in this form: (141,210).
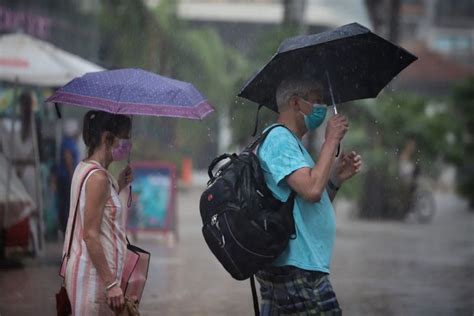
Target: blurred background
(405,242)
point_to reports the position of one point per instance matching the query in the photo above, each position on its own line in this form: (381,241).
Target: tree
(157,40)
(243,116)
(380,129)
(462,104)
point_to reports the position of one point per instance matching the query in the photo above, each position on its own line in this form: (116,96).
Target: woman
(94,268)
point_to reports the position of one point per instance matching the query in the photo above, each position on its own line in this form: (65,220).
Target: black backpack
(245,227)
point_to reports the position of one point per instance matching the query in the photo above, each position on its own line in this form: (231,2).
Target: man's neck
(291,125)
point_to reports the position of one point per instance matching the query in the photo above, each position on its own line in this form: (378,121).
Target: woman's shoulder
(86,169)
(98,182)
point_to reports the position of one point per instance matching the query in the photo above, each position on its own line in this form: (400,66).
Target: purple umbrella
(134,91)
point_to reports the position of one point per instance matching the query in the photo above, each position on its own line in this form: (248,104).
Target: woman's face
(121,135)
(121,146)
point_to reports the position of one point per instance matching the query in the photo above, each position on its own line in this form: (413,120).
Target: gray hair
(299,87)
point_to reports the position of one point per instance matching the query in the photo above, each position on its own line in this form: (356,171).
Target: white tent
(29,61)
(25,60)
(21,203)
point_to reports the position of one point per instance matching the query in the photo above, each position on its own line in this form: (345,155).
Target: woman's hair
(98,122)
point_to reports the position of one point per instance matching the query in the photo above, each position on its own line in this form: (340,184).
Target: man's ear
(294,103)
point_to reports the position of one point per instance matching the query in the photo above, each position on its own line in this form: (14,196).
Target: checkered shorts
(292,291)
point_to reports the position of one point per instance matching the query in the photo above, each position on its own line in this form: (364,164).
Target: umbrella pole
(129,202)
(335,107)
(131,129)
(330,92)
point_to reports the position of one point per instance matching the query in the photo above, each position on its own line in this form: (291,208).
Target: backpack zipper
(240,245)
(214,222)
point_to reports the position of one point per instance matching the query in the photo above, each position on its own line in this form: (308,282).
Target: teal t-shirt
(281,154)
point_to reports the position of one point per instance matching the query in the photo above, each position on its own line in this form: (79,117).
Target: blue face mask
(316,117)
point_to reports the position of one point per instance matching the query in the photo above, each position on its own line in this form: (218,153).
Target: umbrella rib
(61,94)
(139,108)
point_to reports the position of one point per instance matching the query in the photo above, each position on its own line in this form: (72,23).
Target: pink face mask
(122,151)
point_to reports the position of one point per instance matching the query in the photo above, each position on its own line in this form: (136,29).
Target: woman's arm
(98,191)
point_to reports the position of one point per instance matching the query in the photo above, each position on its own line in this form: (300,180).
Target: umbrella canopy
(26,60)
(358,62)
(134,91)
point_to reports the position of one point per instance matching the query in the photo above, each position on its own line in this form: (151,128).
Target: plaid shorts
(292,291)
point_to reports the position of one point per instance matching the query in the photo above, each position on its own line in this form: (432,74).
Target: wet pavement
(379,268)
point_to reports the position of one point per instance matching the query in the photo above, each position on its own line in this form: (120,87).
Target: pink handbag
(135,271)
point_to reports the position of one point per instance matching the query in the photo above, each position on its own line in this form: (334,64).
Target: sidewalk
(379,268)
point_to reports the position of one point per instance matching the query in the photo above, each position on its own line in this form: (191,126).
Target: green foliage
(156,40)
(125,29)
(381,128)
(462,104)
(243,112)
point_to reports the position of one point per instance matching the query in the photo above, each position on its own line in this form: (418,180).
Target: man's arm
(346,167)
(310,183)
(332,189)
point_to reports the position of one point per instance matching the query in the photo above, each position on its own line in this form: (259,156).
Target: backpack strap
(254,296)
(262,137)
(256,120)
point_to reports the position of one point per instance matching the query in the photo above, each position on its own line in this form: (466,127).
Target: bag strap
(262,137)
(251,147)
(75,211)
(254,296)
(216,161)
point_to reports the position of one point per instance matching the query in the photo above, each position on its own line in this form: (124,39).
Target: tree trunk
(380,199)
(394,21)
(293,15)
(293,19)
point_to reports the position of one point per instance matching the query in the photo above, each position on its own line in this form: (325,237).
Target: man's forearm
(332,190)
(321,171)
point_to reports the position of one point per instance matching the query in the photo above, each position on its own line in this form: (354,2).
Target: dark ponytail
(98,122)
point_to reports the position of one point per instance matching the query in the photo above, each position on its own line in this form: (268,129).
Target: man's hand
(336,128)
(346,167)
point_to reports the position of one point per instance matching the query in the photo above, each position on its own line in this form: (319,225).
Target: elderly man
(298,281)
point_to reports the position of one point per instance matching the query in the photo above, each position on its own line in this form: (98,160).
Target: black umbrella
(354,62)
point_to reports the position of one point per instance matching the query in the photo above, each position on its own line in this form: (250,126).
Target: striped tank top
(86,290)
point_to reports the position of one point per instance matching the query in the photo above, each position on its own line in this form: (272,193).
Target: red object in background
(18,235)
(187,171)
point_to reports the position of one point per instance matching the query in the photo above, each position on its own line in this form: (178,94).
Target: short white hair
(299,87)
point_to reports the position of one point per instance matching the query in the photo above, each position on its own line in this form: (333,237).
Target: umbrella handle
(335,107)
(129,202)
